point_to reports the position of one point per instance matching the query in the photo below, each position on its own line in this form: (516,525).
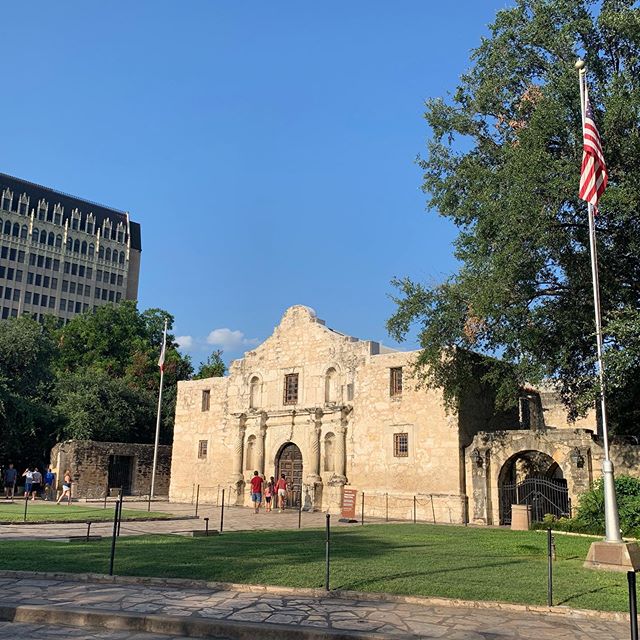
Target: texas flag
(164,348)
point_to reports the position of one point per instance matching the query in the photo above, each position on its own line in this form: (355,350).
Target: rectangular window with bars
(202,449)
(206,399)
(290,388)
(400,445)
(395,381)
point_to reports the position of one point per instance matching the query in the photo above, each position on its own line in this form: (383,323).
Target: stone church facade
(332,411)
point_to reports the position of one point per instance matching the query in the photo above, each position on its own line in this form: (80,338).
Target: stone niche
(101,467)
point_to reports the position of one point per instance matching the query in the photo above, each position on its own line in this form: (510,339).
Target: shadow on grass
(583,593)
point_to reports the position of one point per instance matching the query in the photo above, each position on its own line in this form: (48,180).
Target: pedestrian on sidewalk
(281,489)
(49,485)
(66,487)
(28,481)
(36,483)
(268,493)
(256,491)
(10,479)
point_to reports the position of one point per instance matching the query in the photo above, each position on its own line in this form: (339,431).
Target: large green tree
(503,165)
(27,422)
(108,376)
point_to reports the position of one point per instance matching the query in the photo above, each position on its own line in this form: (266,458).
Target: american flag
(593,176)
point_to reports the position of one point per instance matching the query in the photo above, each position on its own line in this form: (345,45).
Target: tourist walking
(36,483)
(28,481)
(66,488)
(268,493)
(256,491)
(281,490)
(49,485)
(10,479)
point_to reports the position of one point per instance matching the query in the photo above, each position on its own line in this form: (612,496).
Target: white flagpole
(155,446)
(611,519)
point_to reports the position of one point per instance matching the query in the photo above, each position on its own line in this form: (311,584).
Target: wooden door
(290,463)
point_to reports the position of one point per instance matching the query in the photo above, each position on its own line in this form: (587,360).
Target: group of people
(36,484)
(274,492)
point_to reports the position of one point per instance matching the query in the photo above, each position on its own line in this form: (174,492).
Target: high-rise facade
(61,255)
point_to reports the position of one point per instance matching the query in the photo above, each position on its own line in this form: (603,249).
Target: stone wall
(89,464)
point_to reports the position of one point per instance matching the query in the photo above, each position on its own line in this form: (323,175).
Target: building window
(206,399)
(400,445)
(291,388)
(396,381)
(202,449)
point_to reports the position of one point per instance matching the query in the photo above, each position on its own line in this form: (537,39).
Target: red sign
(349,503)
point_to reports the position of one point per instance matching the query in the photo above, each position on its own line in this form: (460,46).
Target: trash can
(520,517)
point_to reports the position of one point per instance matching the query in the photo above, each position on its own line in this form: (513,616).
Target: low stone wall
(89,462)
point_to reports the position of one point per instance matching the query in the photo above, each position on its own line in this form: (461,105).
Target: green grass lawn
(40,511)
(425,560)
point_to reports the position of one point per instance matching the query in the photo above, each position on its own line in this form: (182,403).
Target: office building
(61,255)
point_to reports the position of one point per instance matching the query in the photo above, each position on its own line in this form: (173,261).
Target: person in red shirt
(256,491)
(281,490)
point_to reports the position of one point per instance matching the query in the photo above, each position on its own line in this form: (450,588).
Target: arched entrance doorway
(289,462)
(533,478)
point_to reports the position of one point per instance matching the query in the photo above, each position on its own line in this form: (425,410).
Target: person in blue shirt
(49,485)
(10,479)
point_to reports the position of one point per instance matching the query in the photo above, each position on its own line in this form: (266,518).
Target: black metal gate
(120,468)
(545,495)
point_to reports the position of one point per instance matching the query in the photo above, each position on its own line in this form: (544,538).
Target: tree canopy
(503,165)
(97,378)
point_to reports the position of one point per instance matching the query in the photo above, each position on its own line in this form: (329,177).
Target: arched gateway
(289,462)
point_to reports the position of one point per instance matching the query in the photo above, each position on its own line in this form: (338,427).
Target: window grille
(202,449)
(291,388)
(400,445)
(206,399)
(396,381)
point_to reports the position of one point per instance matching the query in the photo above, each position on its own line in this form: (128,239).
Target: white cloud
(230,340)
(185,342)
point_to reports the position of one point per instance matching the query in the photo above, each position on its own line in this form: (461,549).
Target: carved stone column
(340,451)
(238,457)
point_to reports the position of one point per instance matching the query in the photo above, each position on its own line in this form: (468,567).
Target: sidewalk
(182,608)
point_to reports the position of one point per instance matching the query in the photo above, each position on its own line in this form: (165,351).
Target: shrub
(591,507)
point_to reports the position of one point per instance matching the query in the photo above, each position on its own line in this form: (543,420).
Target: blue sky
(267,149)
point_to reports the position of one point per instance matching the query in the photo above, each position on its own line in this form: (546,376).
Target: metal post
(222,512)
(362,510)
(414,510)
(611,518)
(149,502)
(633,604)
(120,502)
(113,536)
(433,510)
(106,494)
(326,577)
(206,527)
(550,568)
(197,500)
(157,438)
(386,496)
(300,514)
(88,530)
(26,504)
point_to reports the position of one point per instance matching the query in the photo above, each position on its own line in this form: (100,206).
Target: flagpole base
(613,556)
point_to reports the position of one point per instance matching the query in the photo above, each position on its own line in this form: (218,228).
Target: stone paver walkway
(16,630)
(260,609)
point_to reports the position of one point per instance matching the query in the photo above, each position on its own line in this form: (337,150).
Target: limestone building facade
(332,411)
(61,255)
